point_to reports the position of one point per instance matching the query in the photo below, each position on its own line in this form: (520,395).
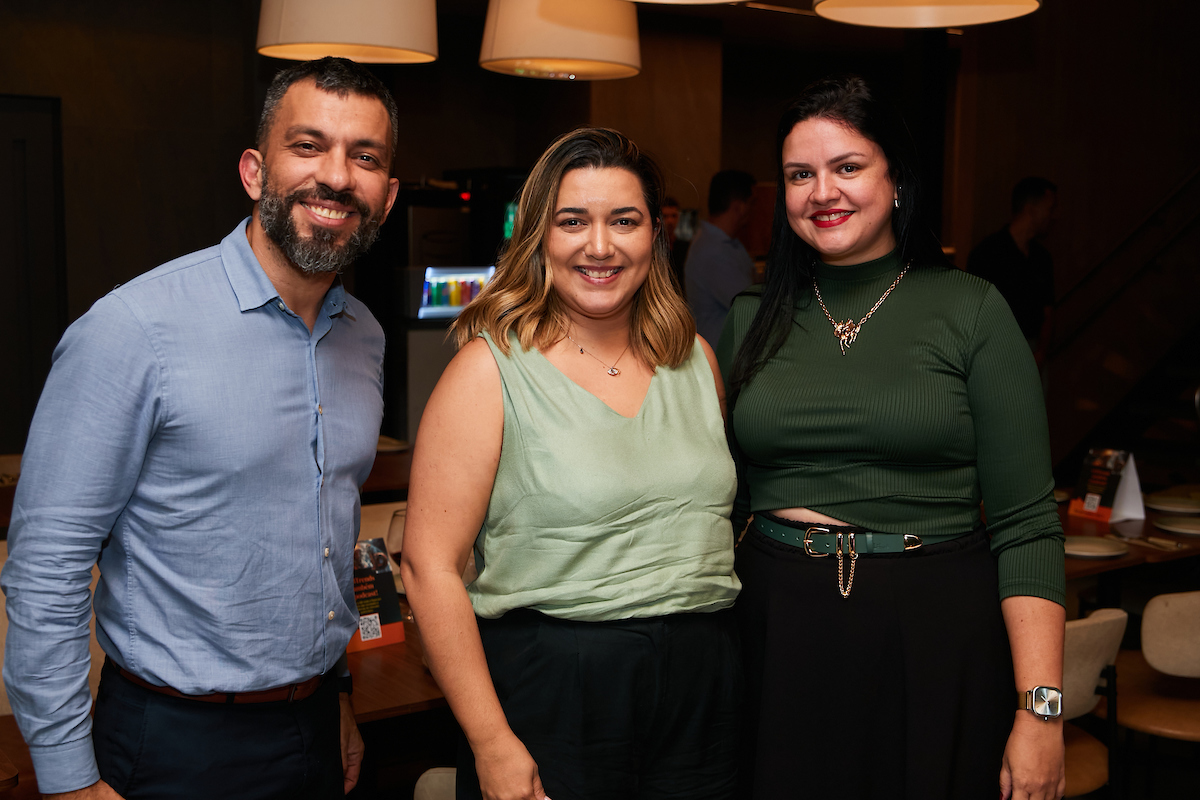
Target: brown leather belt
(289,694)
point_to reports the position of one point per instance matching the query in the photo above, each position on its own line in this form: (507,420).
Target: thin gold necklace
(847,331)
(611,369)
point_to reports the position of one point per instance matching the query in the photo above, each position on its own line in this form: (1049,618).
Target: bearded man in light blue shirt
(203,435)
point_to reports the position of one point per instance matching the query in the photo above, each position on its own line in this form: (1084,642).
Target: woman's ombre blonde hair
(520,297)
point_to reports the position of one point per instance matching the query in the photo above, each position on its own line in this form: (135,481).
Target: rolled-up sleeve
(85,450)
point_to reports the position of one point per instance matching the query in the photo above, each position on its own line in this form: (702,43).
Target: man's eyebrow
(317,133)
(373,144)
(300,130)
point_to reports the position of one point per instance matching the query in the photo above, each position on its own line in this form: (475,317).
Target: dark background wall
(157,104)
(1098,96)
(159,99)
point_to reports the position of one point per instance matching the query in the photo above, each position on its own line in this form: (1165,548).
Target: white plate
(1175,505)
(1188,526)
(1094,547)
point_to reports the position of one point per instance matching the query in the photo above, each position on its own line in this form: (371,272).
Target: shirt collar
(251,285)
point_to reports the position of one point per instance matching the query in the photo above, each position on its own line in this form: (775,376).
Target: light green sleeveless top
(596,516)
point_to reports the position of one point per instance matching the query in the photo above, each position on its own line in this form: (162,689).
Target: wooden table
(6,502)
(391,681)
(1138,554)
(390,471)
(1109,572)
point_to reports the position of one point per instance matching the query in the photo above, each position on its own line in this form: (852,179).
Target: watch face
(1047,701)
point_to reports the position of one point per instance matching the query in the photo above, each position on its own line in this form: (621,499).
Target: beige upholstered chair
(1090,649)
(1160,684)
(1171,634)
(436,784)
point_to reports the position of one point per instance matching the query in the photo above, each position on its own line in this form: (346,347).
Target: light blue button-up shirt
(204,445)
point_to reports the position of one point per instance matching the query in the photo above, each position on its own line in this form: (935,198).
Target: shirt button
(331,615)
(319,409)
(327,552)
(280,306)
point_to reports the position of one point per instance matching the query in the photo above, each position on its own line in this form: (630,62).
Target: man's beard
(320,253)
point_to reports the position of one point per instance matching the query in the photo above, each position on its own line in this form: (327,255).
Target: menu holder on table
(380,620)
(1108,489)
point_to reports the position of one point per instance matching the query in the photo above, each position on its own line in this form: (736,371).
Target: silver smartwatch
(1041,701)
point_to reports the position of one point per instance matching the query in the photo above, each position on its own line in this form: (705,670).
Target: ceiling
(777,24)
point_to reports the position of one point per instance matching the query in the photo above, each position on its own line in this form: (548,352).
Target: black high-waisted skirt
(903,690)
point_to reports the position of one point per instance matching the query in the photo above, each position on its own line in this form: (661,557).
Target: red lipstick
(831,223)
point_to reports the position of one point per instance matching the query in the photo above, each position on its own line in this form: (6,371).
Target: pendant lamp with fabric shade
(367,31)
(561,39)
(923,13)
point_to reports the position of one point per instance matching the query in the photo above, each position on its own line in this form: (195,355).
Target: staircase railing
(1114,325)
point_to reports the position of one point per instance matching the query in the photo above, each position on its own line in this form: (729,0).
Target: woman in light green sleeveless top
(577,443)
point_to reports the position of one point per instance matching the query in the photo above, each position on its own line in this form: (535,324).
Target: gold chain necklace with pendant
(847,331)
(610,369)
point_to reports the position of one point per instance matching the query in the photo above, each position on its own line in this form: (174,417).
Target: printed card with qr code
(380,619)
(369,628)
(1098,482)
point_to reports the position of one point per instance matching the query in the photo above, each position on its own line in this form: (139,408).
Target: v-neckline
(570,380)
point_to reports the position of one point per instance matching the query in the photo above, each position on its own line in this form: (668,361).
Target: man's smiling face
(324,182)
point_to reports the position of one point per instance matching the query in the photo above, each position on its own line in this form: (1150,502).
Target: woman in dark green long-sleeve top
(879,396)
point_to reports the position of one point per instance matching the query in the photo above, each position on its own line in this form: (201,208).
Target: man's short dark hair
(340,76)
(726,186)
(1029,190)
(670,202)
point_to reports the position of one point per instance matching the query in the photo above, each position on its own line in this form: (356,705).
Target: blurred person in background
(1016,262)
(676,247)
(718,266)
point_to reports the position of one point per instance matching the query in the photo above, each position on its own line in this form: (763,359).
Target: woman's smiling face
(600,241)
(838,192)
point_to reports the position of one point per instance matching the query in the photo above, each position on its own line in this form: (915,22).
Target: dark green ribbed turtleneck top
(936,407)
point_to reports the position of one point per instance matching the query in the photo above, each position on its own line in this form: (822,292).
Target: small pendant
(613,371)
(846,332)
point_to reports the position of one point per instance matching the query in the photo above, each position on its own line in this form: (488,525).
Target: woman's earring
(896,197)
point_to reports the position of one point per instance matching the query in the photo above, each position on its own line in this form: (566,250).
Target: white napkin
(1128,502)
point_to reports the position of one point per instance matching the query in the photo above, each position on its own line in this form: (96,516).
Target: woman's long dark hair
(848,100)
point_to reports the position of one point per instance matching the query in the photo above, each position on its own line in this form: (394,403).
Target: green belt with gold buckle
(819,542)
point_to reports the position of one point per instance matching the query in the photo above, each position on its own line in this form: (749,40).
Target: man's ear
(393,190)
(250,169)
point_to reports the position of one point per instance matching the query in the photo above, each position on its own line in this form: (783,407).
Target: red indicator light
(464,196)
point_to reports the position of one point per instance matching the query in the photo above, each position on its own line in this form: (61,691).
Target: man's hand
(352,744)
(97,791)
